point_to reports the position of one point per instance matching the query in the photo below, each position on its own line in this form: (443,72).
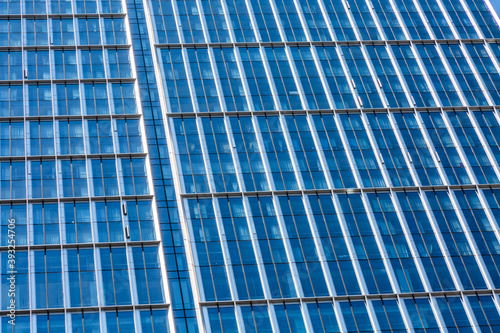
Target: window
(96,98)
(114,31)
(81,277)
(124,101)
(109,221)
(38,66)
(11,139)
(68,99)
(65,65)
(74,178)
(100,136)
(10,31)
(12,180)
(89,32)
(36,32)
(71,137)
(44,218)
(77,222)
(41,136)
(119,63)
(43,179)
(104,178)
(129,135)
(116,284)
(92,64)
(47,274)
(11,65)
(63,32)
(134,176)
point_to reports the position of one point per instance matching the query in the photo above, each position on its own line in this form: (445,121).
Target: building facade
(249,166)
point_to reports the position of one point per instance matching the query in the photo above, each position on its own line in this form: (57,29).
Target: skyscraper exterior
(249,166)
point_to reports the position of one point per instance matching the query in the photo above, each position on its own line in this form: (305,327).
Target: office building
(250,166)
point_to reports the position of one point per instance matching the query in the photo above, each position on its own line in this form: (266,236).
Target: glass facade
(250,166)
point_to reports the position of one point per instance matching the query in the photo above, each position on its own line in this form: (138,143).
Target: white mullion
(451,74)
(338,315)
(302,19)
(162,86)
(374,76)
(348,76)
(381,246)
(448,19)
(131,273)
(404,149)
(234,153)
(354,25)
(288,248)
(251,16)
(178,24)
(322,77)
(395,64)
(348,151)
(430,147)
(376,150)
(492,56)
(206,320)
(488,212)
(472,243)
(319,247)
(372,315)
(218,85)
(376,20)
(195,262)
(484,143)
(424,19)
(137,321)
(404,314)
(298,83)
(307,319)
(472,19)
(496,301)
(441,242)
(478,77)
(326,17)
(270,78)
(272,317)
(201,16)
(206,158)
(291,150)
(411,243)
(492,11)
(243,78)
(470,314)
(225,249)
(189,79)
(319,150)
(256,248)
(350,246)
(65,279)
(425,75)
(263,154)
(228,22)
(437,315)
(180,173)
(240,323)
(277,20)
(400,20)
(459,147)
